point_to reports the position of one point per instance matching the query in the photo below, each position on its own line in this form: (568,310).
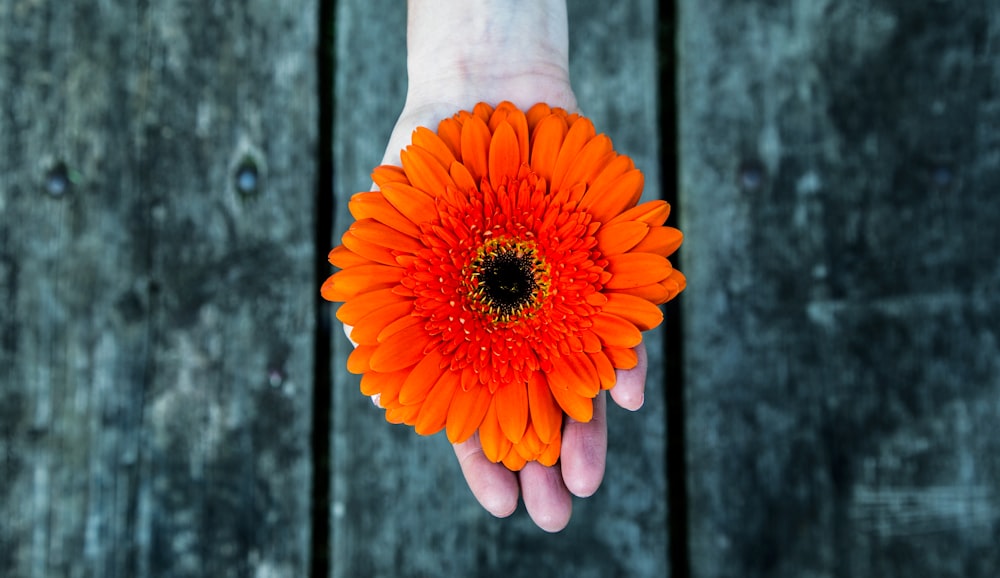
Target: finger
(545,496)
(584,451)
(493,485)
(630,386)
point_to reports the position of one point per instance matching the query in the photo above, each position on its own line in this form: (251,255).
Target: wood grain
(839,172)
(839,164)
(156,358)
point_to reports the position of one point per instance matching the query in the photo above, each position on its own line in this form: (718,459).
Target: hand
(548,491)
(579,471)
(460,52)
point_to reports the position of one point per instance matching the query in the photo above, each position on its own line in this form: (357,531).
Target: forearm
(465,51)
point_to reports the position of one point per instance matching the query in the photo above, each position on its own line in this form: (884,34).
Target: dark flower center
(507,280)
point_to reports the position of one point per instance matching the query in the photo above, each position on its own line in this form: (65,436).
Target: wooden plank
(156,358)
(400,505)
(840,164)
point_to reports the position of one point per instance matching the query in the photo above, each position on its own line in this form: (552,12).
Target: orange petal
(507,112)
(660,241)
(402,414)
(636,310)
(470,379)
(569,195)
(463,178)
(596,299)
(422,378)
(512,409)
(673,285)
(605,371)
(450,132)
(343,257)
(358,360)
(575,373)
(546,417)
(622,358)
(591,343)
(381,234)
(368,250)
(505,157)
(537,113)
(514,461)
(678,278)
(617,167)
(495,443)
(588,383)
(429,140)
(530,445)
(531,448)
(551,454)
(347,283)
(388,174)
(385,384)
(499,114)
(653,213)
(578,136)
(425,171)
(390,389)
(615,331)
(576,406)
(605,202)
(547,140)
(367,330)
(402,350)
(656,293)
(398,325)
(413,203)
(620,237)
(636,269)
(593,157)
(482,111)
(434,411)
(466,413)
(519,123)
(374,205)
(329,291)
(363,305)
(475,146)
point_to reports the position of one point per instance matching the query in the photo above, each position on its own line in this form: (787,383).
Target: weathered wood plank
(400,506)
(840,164)
(155,340)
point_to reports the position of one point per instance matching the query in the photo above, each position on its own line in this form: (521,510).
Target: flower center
(507,280)
(508,277)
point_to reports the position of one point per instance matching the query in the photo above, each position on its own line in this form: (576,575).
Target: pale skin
(460,52)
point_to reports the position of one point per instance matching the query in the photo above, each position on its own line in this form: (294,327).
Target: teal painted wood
(840,165)
(155,321)
(400,505)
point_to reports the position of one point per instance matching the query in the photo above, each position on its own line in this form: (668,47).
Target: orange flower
(496,281)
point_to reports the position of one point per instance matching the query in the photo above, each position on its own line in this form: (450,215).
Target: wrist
(461,52)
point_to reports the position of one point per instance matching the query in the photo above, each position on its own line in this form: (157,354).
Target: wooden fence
(825,400)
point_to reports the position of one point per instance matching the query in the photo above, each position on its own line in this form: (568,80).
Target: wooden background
(825,400)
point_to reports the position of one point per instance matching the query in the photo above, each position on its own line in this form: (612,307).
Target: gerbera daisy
(497,279)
